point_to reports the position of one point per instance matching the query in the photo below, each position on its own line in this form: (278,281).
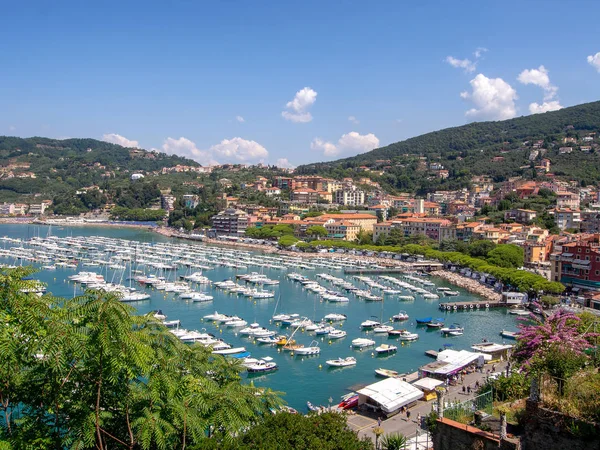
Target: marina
(310,303)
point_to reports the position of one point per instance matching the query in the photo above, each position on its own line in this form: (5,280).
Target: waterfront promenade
(364,424)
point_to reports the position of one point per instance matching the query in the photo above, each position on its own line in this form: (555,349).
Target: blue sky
(311,80)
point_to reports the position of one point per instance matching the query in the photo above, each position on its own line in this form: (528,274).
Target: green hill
(499,149)
(63,165)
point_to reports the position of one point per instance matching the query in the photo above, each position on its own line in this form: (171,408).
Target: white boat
(230,351)
(337,334)
(134,297)
(159,315)
(235,322)
(262,366)
(406,335)
(519,312)
(217,316)
(385,348)
(313,349)
(341,362)
(369,323)
(453,329)
(382,329)
(509,334)
(361,342)
(407,298)
(334,317)
(267,340)
(402,315)
(387,373)
(200,297)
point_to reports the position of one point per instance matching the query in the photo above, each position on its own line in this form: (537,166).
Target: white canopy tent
(389,395)
(427,384)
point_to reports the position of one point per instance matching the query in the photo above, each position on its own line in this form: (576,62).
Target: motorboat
(406,298)
(385,349)
(423,320)
(402,315)
(262,366)
(267,340)
(382,329)
(235,322)
(387,373)
(217,316)
(454,328)
(406,335)
(362,342)
(519,312)
(341,362)
(509,334)
(158,314)
(230,351)
(451,293)
(313,349)
(200,297)
(337,334)
(349,401)
(437,323)
(324,330)
(367,324)
(334,317)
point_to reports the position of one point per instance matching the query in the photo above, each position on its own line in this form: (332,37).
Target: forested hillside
(62,165)
(499,149)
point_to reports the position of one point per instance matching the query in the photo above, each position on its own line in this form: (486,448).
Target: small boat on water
(313,349)
(402,315)
(362,343)
(387,373)
(267,340)
(312,407)
(382,329)
(337,334)
(437,323)
(262,366)
(230,351)
(451,293)
(368,324)
(519,312)
(341,362)
(509,334)
(424,320)
(453,330)
(385,349)
(406,335)
(334,317)
(349,401)
(406,298)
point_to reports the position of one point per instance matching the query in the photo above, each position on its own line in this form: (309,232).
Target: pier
(424,266)
(431,353)
(472,305)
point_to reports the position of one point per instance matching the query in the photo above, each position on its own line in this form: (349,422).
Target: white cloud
(284,163)
(186,148)
(466,64)
(493,98)
(479,51)
(352,142)
(240,119)
(235,150)
(120,140)
(299,105)
(539,77)
(239,150)
(536,108)
(354,120)
(594,61)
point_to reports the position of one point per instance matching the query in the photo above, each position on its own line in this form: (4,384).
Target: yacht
(341,362)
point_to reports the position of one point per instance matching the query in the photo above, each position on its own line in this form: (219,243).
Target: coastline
(454,278)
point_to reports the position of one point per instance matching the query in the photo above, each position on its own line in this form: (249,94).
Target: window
(587,250)
(597,272)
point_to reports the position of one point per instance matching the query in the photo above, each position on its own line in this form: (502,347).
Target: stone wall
(451,435)
(551,430)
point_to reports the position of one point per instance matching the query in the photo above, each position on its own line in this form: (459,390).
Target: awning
(389,395)
(427,384)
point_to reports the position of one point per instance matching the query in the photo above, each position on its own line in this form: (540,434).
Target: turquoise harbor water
(301,378)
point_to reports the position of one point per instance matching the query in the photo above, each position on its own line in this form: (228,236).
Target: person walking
(419,419)
(407,415)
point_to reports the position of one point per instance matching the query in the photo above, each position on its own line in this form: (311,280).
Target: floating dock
(472,305)
(414,266)
(431,353)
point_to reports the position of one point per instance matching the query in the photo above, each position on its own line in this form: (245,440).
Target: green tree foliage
(137,195)
(480,249)
(316,231)
(287,240)
(87,373)
(468,150)
(270,231)
(549,300)
(508,388)
(506,255)
(285,431)
(393,441)
(137,214)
